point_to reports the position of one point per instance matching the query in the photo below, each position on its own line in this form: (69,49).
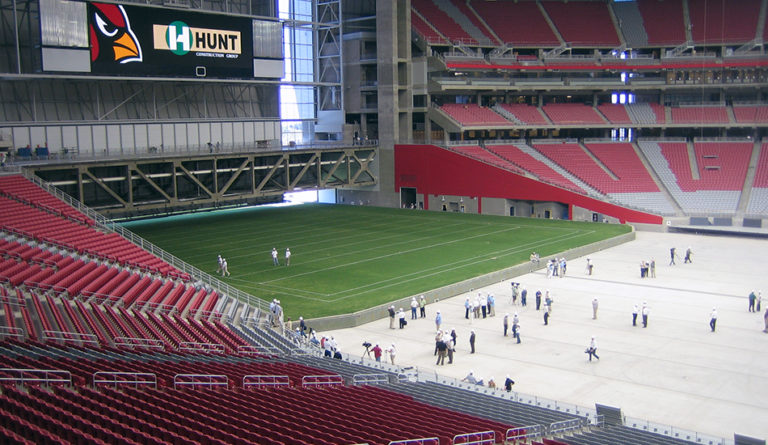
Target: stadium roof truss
(165,184)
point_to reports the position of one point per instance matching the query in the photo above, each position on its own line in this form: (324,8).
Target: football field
(348,258)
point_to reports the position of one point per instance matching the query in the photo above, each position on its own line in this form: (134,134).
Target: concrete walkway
(674,372)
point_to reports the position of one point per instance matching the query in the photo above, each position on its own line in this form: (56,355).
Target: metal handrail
(65,376)
(265,381)
(70,337)
(133,342)
(151,378)
(212,380)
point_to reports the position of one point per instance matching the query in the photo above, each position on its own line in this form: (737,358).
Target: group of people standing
(420,305)
(485,304)
(275,260)
(556,267)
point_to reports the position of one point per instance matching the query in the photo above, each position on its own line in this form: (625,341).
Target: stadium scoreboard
(131,40)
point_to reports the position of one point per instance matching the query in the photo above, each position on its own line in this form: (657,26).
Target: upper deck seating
(473,114)
(442,21)
(572,114)
(615,113)
(722,21)
(664,21)
(426,30)
(757,114)
(517,23)
(570,19)
(527,114)
(699,115)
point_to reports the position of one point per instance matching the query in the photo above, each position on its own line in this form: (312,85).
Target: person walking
(644,313)
(224,268)
(713,319)
(688,253)
(524,297)
(634,315)
(592,349)
(506,323)
(472,342)
(220,261)
(546,315)
(438,320)
(538,299)
(672,256)
(594,308)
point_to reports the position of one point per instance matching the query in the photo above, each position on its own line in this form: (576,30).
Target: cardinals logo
(112,39)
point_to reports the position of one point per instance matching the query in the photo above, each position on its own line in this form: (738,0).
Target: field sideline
(348,258)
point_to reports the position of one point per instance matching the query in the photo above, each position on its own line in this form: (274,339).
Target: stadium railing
(174,261)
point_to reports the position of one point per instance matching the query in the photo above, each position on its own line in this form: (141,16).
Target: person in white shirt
(592,349)
(224,267)
(287,256)
(713,319)
(414,306)
(221,261)
(644,313)
(401,318)
(274,257)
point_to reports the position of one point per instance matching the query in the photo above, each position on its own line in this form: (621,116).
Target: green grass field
(347,258)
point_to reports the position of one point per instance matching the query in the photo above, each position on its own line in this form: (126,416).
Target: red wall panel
(436,171)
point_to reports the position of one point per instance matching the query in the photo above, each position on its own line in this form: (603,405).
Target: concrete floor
(674,372)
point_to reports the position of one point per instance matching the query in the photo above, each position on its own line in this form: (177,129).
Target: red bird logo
(112,39)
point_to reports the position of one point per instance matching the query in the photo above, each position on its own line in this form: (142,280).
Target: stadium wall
(432,170)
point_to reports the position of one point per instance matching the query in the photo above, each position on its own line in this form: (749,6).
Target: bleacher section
(664,21)
(758,197)
(38,219)
(571,157)
(570,19)
(723,21)
(519,24)
(616,114)
(635,186)
(520,158)
(486,156)
(426,30)
(750,114)
(721,168)
(526,114)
